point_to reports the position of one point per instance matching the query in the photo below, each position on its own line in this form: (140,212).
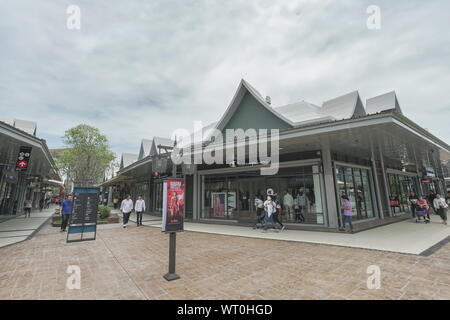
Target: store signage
(173,205)
(429,172)
(10,175)
(84,217)
(426,180)
(23,158)
(234,164)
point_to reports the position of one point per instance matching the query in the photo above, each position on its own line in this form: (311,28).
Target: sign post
(23,159)
(173,219)
(84,217)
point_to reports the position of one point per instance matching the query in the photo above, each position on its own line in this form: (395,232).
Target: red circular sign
(22,164)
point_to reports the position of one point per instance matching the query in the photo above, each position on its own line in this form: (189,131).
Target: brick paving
(129,264)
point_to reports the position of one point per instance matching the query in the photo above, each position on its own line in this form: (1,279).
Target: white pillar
(330,187)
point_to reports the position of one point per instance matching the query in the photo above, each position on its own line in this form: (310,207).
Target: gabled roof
(302,112)
(25,125)
(158,145)
(383,102)
(344,107)
(146,145)
(242,89)
(127,159)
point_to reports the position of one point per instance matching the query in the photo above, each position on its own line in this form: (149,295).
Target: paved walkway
(403,237)
(19,228)
(129,264)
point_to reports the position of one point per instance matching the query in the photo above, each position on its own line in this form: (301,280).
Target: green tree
(87,157)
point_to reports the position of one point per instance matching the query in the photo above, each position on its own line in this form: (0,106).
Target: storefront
(401,184)
(373,154)
(30,183)
(357,183)
(231,195)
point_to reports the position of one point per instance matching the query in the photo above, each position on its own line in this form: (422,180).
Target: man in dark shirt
(66,211)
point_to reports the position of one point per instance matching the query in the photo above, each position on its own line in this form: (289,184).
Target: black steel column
(171,275)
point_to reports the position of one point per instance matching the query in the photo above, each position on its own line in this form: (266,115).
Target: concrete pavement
(19,228)
(405,237)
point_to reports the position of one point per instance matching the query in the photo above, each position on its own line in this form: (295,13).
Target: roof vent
(268,100)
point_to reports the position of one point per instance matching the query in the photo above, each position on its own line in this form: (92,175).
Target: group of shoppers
(432,202)
(127,207)
(268,212)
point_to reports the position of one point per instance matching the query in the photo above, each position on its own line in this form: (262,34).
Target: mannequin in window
(288,204)
(298,208)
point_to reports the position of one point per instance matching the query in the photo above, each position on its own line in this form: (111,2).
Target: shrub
(104,211)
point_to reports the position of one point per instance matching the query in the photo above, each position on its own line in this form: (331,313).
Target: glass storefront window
(400,187)
(298,190)
(356,184)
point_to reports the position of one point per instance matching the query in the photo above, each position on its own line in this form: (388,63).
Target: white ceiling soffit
(127,159)
(26,126)
(383,102)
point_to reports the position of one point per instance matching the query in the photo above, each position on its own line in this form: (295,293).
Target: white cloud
(142,68)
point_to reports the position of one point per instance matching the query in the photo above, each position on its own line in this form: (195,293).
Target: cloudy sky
(137,69)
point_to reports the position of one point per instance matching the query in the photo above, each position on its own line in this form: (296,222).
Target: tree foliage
(87,157)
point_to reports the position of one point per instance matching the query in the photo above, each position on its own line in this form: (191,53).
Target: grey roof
(127,159)
(344,107)
(25,125)
(383,102)
(302,112)
(7,120)
(146,145)
(160,142)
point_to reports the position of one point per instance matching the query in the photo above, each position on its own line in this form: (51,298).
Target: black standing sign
(83,219)
(23,159)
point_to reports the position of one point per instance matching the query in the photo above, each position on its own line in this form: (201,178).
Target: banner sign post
(23,159)
(173,219)
(84,216)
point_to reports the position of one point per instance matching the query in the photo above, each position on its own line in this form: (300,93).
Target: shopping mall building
(370,152)
(32,182)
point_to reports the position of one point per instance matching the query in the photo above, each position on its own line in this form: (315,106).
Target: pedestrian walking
(126,207)
(27,207)
(139,208)
(412,203)
(47,203)
(269,208)
(430,198)
(41,204)
(115,202)
(347,213)
(441,207)
(66,211)
(276,215)
(259,206)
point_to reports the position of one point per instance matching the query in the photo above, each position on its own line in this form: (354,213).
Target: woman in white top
(441,207)
(139,207)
